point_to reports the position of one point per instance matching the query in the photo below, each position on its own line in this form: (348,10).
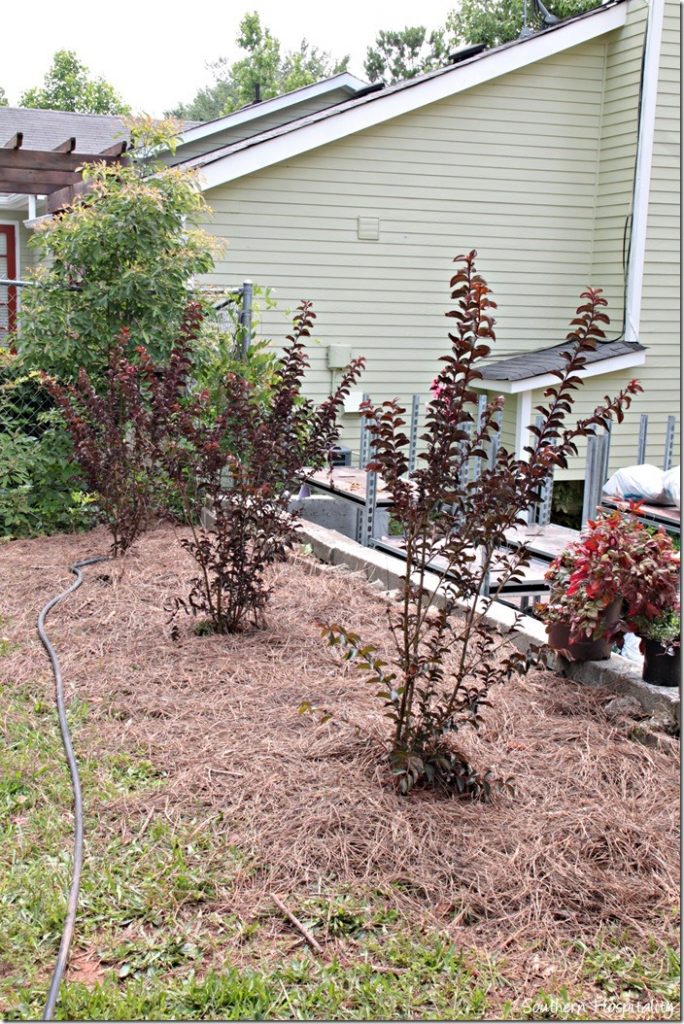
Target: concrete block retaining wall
(617,674)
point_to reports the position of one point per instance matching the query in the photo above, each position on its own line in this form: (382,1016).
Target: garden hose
(70,919)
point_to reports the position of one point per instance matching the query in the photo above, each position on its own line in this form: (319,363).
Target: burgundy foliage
(116,427)
(615,557)
(444,665)
(234,479)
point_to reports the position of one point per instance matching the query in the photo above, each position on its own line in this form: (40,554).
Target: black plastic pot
(579,650)
(662,664)
(585,650)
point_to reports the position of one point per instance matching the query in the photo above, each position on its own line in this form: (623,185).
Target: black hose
(68,930)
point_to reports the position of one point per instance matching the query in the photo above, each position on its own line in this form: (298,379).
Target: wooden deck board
(532,575)
(347,482)
(545,541)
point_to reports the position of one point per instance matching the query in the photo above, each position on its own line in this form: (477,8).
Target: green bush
(40,490)
(121,256)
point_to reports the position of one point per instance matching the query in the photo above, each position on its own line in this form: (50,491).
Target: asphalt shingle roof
(45,129)
(544,360)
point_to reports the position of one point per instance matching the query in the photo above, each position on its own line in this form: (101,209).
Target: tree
(121,257)
(493,22)
(405,54)
(210,102)
(308,64)
(4,102)
(67,87)
(455,519)
(264,66)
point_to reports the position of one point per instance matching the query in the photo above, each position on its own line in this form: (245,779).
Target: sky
(155,53)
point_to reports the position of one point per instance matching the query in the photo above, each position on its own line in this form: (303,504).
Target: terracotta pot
(660,667)
(585,650)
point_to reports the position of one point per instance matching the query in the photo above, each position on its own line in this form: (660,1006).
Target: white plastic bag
(637,483)
(671,483)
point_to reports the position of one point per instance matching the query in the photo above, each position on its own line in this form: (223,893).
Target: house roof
(45,129)
(531,370)
(344,82)
(372,107)
(545,360)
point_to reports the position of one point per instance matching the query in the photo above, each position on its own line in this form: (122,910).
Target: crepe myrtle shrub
(444,665)
(233,476)
(118,427)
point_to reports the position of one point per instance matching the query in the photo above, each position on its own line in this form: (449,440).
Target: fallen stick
(297,923)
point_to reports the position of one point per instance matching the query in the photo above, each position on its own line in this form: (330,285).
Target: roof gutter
(642,176)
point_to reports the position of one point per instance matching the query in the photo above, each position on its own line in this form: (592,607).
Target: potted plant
(661,648)
(581,619)
(616,572)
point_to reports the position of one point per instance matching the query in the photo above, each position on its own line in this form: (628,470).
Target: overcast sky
(155,53)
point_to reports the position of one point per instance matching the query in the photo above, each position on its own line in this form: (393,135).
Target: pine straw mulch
(589,842)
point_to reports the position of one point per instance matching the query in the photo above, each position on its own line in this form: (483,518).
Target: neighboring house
(47,145)
(556,157)
(50,144)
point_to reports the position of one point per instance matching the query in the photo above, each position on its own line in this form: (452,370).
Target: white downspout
(642,176)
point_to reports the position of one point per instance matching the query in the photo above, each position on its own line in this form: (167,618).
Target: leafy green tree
(493,22)
(210,102)
(308,64)
(4,102)
(122,256)
(67,87)
(405,54)
(262,65)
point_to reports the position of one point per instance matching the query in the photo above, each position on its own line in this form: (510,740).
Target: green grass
(618,984)
(154,914)
(438,984)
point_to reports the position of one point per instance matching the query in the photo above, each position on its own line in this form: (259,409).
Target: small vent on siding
(368,228)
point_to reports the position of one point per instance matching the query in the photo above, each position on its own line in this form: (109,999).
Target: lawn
(207,791)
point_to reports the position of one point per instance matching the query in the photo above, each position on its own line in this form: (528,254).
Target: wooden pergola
(55,173)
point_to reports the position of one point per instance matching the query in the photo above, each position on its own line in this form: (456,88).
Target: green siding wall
(661,308)
(508,167)
(660,328)
(534,169)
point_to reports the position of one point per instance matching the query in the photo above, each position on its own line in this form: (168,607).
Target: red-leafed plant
(445,664)
(234,477)
(616,557)
(116,427)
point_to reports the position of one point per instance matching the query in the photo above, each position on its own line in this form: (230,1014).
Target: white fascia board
(272,106)
(546,380)
(642,173)
(257,155)
(32,223)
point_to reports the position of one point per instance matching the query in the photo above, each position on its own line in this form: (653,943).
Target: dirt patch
(589,842)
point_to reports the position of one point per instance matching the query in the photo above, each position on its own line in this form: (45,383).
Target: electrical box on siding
(353,401)
(368,228)
(339,356)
